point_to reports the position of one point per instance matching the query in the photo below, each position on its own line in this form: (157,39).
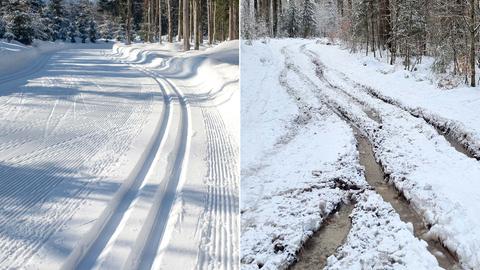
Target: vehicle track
(460,140)
(350,114)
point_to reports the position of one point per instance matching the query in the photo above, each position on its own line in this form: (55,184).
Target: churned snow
(297,154)
(455,110)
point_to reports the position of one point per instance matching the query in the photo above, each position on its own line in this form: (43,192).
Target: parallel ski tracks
(139,213)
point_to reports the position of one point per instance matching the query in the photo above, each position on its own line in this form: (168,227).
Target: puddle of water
(375,177)
(325,241)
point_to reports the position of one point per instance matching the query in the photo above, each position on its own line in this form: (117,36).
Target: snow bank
(210,74)
(18,57)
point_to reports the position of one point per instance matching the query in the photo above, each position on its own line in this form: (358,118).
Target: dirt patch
(376,178)
(325,241)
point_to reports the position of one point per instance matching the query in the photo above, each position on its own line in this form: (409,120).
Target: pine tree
(72,32)
(2,27)
(58,22)
(291,19)
(308,20)
(21,27)
(82,26)
(92,30)
(107,29)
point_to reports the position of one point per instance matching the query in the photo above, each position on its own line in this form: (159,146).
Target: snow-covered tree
(326,18)
(58,22)
(308,19)
(9,36)
(19,21)
(72,32)
(291,20)
(106,29)
(92,30)
(82,26)
(2,27)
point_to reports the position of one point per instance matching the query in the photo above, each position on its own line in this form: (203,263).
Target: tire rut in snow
(376,178)
(443,255)
(326,240)
(219,241)
(457,137)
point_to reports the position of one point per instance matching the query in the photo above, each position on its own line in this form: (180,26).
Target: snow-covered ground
(454,110)
(20,59)
(300,162)
(110,162)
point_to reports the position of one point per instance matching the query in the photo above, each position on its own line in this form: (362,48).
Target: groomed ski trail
(133,230)
(219,248)
(54,158)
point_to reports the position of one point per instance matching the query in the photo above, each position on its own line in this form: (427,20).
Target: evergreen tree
(82,26)
(58,23)
(21,27)
(92,31)
(107,29)
(291,19)
(72,32)
(308,20)
(2,27)
(82,20)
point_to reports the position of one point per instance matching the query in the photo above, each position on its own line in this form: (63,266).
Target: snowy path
(95,156)
(439,181)
(420,162)
(291,93)
(64,132)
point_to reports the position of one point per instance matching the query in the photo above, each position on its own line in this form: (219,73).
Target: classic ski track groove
(102,244)
(219,241)
(116,216)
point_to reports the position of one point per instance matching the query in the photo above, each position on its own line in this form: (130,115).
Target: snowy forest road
(435,175)
(330,143)
(93,155)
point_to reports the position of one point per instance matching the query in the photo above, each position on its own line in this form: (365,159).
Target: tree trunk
(180,20)
(148,21)
(129,24)
(186,25)
(472,43)
(210,4)
(214,23)
(170,21)
(275,17)
(230,20)
(192,36)
(196,26)
(160,21)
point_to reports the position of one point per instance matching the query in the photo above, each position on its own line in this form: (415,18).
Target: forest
(401,30)
(121,20)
